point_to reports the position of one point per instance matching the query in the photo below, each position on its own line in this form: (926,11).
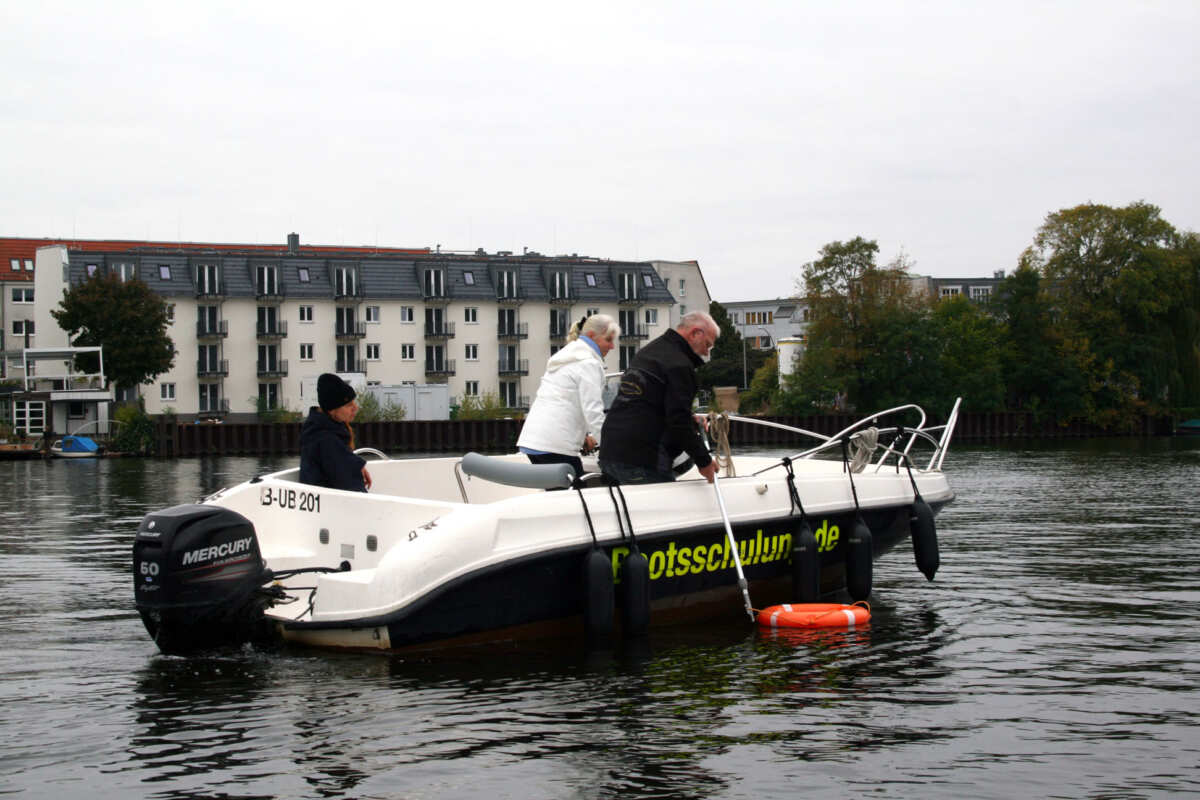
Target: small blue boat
(75,447)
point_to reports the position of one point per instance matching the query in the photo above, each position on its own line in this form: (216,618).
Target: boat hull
(692,575)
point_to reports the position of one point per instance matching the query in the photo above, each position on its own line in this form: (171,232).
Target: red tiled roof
(22,249)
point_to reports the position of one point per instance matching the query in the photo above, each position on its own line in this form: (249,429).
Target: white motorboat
(455,549)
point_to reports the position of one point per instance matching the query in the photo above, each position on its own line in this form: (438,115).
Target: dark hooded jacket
(650,422)
(325,455)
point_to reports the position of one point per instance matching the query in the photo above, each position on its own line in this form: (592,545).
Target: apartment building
(762,323)
(252,325)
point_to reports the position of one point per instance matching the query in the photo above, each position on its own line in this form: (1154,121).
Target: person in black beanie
(327,442)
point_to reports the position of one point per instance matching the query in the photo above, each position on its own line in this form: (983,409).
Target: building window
(22,295)
(471,388)
(306,313)
(22,327)
(469,278)
(559,287)
(208,279)
(647,281)
(471,314)
(590,278)
(408,352)
(372,352)
(125,271)
(949,291)
(15,263)
(981,292)
(29,265)
(91,269)
(372,313)
(170,312)
(651,316)
(268,396)
(628,286)
(682,289)
(266,279)
(406,314)
(506,283)
(166,391)
(306,352)
(682,310)
(303,274)
(627,353)
(554,349)
(210,397)
(471,352)
(29,416)
(164,272)
(508,394)
(76,409)
(435,285)
(344,282)
(593,311)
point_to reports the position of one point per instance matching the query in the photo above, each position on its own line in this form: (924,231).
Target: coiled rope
(718,432)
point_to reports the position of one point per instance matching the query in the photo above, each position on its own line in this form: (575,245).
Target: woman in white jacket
(568,412)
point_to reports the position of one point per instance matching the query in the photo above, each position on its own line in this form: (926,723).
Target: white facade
(762,323)
(686,283)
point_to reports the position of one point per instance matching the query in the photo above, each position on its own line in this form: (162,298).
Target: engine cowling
(198,578)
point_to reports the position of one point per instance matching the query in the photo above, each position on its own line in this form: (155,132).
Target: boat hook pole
(737,561)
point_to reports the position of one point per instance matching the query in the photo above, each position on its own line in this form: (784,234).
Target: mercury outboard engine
(198,578)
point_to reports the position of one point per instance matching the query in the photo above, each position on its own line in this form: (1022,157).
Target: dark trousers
(557,458)
(634,473)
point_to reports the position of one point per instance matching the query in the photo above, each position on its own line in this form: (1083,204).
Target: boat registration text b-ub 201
(453,550)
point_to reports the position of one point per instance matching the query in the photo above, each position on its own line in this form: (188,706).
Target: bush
(278,414)
(370,410)
(135,434)
(484,406)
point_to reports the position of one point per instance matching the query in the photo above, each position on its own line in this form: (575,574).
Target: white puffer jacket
(568,405)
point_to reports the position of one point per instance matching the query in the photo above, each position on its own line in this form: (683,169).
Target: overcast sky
(744,135)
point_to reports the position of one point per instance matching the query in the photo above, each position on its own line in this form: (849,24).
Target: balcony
(273,369)
(439,367)
(437,297)
(210,330)
(353,330)
(562,298)
(512,297)
(220,410)
(268,293)
(519,330)
(272,330)
(212,369)
(628,300)
(558,332)
(210,291)
(439,330)
(635,331)
(513,366)
(522,404)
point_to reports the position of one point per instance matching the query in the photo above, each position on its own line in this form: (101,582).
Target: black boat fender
(806,566)
(859,565)
(924,538)
(598,594)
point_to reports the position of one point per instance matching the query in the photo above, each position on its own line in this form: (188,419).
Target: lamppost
(745,384)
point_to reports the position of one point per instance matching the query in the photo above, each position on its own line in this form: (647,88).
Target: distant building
(762,323)
(979,290)
(251,322)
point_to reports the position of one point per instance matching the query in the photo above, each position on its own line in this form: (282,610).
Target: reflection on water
(1055,655)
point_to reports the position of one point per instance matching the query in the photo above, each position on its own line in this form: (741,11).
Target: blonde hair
(601,326)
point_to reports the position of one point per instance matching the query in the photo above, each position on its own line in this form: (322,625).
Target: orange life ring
(814,615)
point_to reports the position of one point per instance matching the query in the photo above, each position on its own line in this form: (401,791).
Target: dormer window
(208,279)
(266,279)
(435,283)
(125,271)
(506,283)
(628,286)
(559,285)
(344,281)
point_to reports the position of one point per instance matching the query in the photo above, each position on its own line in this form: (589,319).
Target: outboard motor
(198,578)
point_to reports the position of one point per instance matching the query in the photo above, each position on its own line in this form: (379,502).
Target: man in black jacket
(651,421)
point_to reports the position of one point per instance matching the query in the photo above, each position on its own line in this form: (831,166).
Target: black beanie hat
(333,392)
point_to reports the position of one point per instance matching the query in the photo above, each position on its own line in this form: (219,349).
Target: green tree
(968,364)
(127,319)
(1120,280)
(725,365)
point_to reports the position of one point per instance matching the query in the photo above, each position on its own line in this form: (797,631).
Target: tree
(1121,283)
(725,365)
(127,319)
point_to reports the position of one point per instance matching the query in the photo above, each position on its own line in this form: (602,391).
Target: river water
(1056,655)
